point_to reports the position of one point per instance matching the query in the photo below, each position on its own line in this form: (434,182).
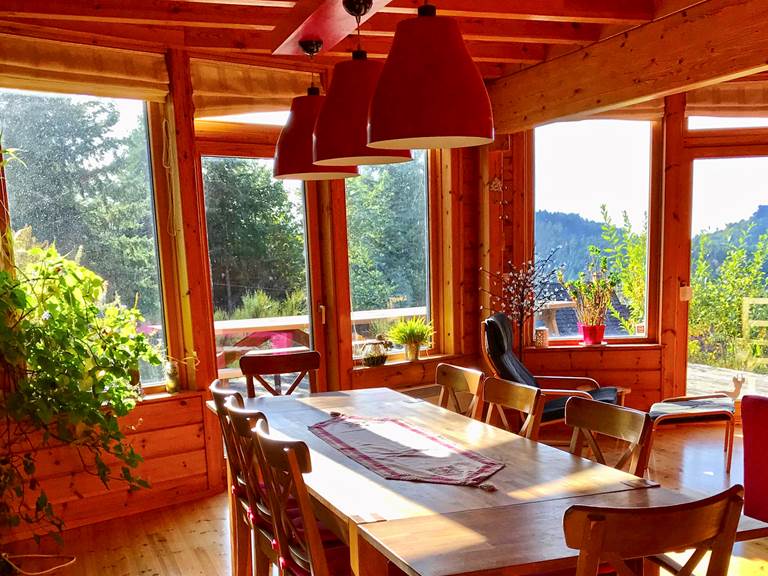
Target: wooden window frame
(526,195)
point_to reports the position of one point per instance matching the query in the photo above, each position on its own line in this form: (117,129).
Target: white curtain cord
(10,560)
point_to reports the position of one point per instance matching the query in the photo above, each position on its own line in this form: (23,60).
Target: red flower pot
(593,334)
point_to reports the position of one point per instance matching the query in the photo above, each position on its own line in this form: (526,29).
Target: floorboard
(192,539)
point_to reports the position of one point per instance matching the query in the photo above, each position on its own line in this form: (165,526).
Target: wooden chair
(303,549)
(497,350)
(619,535)
(239,525)
(589,417)
(754,414)
(257,513)
(456,384)
(255,366)
(501,395)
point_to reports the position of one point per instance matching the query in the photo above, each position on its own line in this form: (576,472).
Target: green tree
(85,185)
(387,223)
(627,254)
(715,309)
(255,234)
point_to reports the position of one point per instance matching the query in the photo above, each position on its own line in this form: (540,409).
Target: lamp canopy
(293,154)
(430,93)
(341,131)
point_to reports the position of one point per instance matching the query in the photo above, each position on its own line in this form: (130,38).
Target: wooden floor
(192,539)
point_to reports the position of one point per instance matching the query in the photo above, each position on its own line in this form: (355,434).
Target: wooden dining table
(425,529)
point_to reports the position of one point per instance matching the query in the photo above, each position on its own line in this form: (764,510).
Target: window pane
(387,229)
(592,189)
(256,247)
(727,314)
(85,185)
(720,122)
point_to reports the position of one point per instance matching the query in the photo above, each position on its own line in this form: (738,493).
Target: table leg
(367,560)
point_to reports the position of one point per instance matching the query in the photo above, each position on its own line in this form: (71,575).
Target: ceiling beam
(712,42)
(158,12)
(498,52)
(594,11)
(484,29)
(330,22)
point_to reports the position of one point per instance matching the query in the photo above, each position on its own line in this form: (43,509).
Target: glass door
(258,257)
(728,309)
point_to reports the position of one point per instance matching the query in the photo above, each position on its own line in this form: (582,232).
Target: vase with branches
(523,290)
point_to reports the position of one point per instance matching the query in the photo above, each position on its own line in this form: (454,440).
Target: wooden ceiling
(504,36)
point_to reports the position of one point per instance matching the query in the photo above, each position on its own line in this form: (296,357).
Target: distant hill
(572,234)
(720,240)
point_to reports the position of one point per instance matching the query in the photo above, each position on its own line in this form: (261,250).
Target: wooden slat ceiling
(503,36)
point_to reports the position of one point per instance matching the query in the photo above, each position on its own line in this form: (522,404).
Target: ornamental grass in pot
(411,333)
(591,292)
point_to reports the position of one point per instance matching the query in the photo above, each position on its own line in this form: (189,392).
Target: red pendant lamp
(430,94)
(341,132)
(294,155)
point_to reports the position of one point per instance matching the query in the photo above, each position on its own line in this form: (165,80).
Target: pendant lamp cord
(358,19)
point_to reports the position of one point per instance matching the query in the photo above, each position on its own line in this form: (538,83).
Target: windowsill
(570,346)
(400,363)
(161,396)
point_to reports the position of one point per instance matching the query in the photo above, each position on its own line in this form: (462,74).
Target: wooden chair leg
(730,432)
(262,566)
(242,547)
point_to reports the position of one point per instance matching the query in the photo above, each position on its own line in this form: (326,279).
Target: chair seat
(555,409)
(698,410)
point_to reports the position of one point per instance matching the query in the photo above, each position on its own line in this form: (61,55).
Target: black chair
(497,347)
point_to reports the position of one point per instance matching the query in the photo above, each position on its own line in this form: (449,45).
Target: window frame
(653,265)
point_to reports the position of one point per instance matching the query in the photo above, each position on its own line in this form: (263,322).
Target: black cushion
(555,409)
(498,345)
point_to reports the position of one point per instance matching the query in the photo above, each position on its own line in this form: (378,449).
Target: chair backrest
(501,395)
(497,348)
(256,366)
(754,415)
(614,535)
(590,417)
(285,462)
(456,384)
(246,450)
(220,396)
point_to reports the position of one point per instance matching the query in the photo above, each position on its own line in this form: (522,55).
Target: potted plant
(591,292)
(68,361)
(411,333)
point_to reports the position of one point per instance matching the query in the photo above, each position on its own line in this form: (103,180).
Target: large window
(592,188)
(256,244)
(728,311)
(388,246)
(85,187)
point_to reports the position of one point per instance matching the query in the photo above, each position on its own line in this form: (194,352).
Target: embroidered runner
(398,450)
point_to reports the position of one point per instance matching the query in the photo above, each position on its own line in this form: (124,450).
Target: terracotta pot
(593,334)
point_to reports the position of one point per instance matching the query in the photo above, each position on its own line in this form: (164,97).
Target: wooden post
(676,249)
(197,306)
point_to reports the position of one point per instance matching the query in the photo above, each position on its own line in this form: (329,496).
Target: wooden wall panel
(635,367)
(170,435)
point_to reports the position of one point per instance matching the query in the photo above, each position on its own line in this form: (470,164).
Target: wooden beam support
(715,41)
(498,52)
(594,11)
(330,22)
(488,30)
(162,12)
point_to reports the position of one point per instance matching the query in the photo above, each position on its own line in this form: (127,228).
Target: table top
(523,539)
(533,471)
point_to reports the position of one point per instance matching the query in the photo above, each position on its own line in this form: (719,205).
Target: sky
(606,162)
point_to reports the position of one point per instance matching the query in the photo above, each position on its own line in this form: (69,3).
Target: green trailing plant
(70,361)
(414,330)
(592,290)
